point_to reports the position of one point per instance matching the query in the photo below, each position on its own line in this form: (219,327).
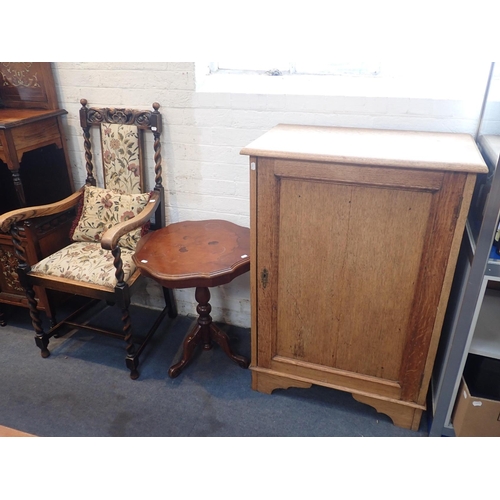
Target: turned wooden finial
(156,106)
(83,102)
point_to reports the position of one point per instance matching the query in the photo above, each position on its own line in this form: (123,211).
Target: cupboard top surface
(391,148)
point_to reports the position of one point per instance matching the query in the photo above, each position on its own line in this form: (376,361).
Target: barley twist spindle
(117,262)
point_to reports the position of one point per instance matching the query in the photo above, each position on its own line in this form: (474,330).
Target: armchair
(110,220)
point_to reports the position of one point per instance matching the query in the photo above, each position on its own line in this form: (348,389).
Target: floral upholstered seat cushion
(103,209)
(88,262)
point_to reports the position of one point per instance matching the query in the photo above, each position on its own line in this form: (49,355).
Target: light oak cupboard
(355,237)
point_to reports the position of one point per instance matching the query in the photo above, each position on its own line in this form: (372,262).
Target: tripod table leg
(204,332)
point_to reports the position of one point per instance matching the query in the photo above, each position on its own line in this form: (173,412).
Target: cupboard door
(350,268)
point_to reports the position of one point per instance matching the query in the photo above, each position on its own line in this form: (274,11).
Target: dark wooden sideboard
(34,167)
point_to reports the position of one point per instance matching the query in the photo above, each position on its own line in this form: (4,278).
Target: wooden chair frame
(120,295)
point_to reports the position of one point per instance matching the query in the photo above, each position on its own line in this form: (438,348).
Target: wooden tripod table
(200,254)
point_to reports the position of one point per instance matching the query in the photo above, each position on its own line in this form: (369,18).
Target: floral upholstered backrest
(121,154)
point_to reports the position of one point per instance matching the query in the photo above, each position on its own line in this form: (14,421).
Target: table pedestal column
(205,332)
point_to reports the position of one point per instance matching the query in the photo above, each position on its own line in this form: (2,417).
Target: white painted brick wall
(204,174)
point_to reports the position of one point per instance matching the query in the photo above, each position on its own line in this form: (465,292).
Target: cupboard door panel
(346,278)
(345,266)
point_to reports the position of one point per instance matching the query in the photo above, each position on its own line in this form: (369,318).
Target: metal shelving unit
(486,339)
(472,323)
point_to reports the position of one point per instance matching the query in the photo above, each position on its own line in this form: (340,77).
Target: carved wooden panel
(142,119)
(8,266)
(27,85)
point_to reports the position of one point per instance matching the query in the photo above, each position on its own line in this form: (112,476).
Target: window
(279,68)
(403,78)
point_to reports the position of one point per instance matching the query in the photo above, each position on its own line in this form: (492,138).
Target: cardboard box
(8,432)
(477,408)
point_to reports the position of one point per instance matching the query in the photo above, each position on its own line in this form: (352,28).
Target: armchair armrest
(14,216)
(110,238)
